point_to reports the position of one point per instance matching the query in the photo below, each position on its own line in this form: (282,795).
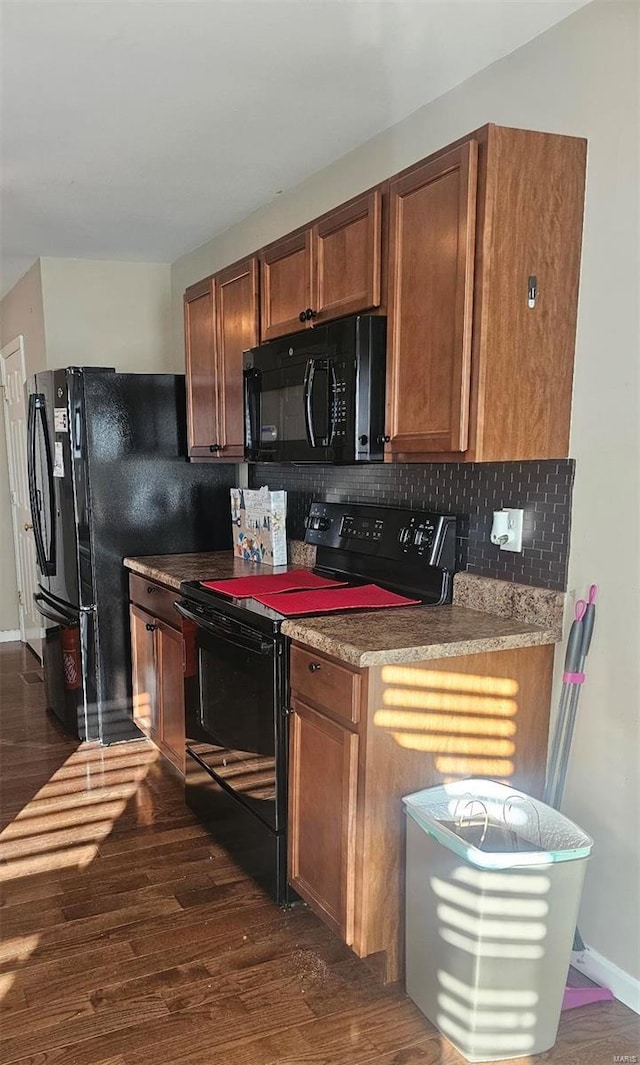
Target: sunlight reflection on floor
(54,831)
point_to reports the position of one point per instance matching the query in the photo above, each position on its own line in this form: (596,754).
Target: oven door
(234,719)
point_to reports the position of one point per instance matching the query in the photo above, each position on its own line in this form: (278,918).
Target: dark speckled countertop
(496,615)
(171,570)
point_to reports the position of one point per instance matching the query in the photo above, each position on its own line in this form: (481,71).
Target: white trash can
(494,880)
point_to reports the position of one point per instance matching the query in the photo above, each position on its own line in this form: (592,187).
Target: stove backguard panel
(471,491)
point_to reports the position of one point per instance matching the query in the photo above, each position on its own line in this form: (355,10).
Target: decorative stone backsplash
(472,491)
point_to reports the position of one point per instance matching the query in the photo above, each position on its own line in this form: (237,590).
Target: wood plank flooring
(130,938)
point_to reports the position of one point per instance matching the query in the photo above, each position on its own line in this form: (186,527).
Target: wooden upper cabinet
(345,253)
(237,328)
(202,413)
(329,270)
(481,344)
(285,285)
(221,321)
(530,233)
(432,243)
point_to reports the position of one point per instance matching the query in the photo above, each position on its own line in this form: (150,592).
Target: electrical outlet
(515,522)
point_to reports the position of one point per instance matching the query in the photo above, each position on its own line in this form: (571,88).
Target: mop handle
(574,645)
(588,622)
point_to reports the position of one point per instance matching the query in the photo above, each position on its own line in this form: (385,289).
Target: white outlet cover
(516,521)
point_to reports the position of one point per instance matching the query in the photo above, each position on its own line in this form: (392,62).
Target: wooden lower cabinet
(419,724)
(143,662)
(159,657)
(170,659)
(324,764)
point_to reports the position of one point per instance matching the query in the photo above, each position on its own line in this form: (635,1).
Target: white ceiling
(137,130)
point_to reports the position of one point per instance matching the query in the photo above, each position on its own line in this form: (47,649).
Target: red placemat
(265,583)
(364,597)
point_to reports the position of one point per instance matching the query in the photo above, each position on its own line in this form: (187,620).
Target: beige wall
(20,313)
(107,314)
(75,312)
(578,78)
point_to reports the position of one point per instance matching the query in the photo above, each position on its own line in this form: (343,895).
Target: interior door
(13,379)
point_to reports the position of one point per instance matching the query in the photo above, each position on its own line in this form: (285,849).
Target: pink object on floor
(584,996)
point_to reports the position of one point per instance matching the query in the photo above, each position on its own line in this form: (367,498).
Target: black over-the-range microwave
(318,396)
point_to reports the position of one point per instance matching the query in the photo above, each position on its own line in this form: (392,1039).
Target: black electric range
(236,717)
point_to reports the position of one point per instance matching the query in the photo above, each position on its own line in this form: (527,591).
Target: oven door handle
(237,635)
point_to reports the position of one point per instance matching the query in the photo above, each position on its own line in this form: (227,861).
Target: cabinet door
(143,661)
(285,285)
(346,256)
(236,314)
(170,657)
(432,244)
(322,809)
(200,352)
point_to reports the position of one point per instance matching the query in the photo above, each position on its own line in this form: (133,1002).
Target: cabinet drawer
(154,598)
(325,683)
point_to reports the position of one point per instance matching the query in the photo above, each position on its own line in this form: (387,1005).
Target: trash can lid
(494,826)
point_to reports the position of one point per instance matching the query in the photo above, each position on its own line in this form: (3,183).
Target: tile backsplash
(471,490)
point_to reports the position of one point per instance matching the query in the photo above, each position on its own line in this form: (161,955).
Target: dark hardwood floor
(130,938)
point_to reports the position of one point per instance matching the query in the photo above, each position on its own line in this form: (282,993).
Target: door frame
(14,347)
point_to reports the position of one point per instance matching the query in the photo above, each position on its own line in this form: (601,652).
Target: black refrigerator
(109,477)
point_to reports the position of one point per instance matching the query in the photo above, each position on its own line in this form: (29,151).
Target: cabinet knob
(306,316)
(314,667)
(150,628)
(384,439)
(214,447)
(302,316)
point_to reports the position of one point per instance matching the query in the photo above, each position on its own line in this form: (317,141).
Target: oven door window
(235,734)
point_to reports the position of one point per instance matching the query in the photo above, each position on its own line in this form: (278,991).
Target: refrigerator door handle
(35,498)
(51,559)
(49,611)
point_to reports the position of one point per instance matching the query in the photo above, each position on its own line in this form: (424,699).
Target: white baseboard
(625,987)
(9,635)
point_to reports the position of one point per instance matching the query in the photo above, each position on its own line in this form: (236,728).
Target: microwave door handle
(252,396)
(309,375)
